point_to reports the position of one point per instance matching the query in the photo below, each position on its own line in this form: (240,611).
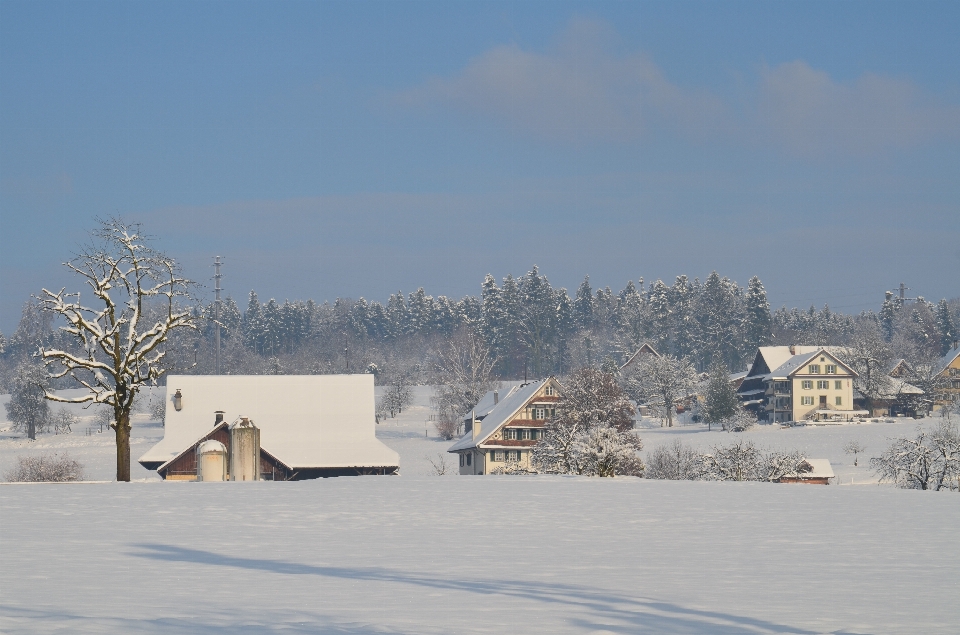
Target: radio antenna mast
(216,310)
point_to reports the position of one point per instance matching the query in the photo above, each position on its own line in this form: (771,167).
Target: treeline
(529,327)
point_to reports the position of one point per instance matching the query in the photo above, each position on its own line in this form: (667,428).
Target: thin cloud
(578,91)
(809,113)
(583,90)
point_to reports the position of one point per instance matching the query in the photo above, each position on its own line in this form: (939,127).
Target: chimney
(496,393)
(219,417)
(476,426)
(954,344)
(793,349)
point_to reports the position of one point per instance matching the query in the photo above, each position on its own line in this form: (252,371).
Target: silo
(244,450)
(211,461)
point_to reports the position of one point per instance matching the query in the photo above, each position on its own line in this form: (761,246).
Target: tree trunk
(123,447)
(32,429)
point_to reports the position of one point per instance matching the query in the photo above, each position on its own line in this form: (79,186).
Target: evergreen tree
(888,313)
(759,321)
(583,305)
(682,319)
(537,321)
(945,326)
(492,315)
(28,409)
(720,401)
(660,325)
(253,324)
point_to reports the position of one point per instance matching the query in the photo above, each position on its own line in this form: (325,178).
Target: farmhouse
(309,426)
(644,350)
(799,383)
(509,430)
(948,371)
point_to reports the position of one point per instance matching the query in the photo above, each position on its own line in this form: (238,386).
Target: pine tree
(945,326)
(758,326)
(660,315)
(583,305)
(253,324)
(720,401)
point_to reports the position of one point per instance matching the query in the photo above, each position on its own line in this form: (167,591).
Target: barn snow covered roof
(305,421)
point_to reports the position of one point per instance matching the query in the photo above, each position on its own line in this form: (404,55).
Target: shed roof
(819,468)
(305,421)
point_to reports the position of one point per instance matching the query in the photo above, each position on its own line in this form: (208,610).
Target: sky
(348,149)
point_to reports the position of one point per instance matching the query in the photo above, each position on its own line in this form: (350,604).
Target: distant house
(799,383)
(895,396)
(948,369)
(508,430)
(645,349)
(812,472)
(310,425)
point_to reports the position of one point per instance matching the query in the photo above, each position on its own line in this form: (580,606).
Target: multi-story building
(948,370)
(509,430)
(799,383)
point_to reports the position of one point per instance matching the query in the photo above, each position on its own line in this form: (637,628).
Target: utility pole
(216,309)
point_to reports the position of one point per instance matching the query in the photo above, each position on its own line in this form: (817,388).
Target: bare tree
(676,461)
(122,338)
(926,461)
(869,355)
(440,467)
(28,408)
(854,448)
(63,421)
(663,382)
(465,373)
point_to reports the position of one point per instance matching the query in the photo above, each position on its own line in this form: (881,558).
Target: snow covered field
(422,554)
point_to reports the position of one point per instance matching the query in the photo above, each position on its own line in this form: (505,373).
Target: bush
(45,468)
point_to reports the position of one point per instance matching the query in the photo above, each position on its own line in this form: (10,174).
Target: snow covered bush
(661,381)
(45,468)
(739,420)
(591,432)
(605,451)
(675,462)
(926,461)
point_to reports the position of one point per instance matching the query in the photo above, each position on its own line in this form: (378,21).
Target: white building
(310,425)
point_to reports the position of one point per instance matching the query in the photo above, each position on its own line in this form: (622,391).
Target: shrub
(45,468)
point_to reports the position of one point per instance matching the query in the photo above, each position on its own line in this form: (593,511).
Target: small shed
(819,473)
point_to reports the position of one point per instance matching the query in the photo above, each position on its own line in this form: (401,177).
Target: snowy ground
(421,554)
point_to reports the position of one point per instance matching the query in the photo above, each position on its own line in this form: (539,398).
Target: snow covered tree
(928,461)
(868,354)
(663,382)
(137,290)
(28,409)
(743,461)
(945,326)
(591,400)
(720,401)
(465,375)
(758,320)
(583,305)
(854,448)
(55,468)
(676,462)
(605,451)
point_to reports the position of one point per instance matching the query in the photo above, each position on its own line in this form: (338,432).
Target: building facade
(506,435)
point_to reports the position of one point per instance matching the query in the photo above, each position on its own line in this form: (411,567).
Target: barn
(309,426)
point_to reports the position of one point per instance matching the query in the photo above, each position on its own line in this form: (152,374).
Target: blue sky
(352,149)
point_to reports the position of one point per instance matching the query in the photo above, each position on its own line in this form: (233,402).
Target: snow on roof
(819,468)
(211,445)
(304,420)
(505,411)
(645,349)
(793,363)
(774,356)
(740,375)
(947,359)
(486,404)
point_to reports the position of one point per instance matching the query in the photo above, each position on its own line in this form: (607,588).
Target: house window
(539,412)
(831,369)
(807,384)
(823,384)
(513,455)
(814,369)
(806,401)
(839,401)
(468,458)
(838,384)
(461,460)
(549,391)
(509,433)
(498,455)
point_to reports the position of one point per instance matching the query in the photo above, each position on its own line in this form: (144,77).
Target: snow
(304,420)
(415,554)
(819,468)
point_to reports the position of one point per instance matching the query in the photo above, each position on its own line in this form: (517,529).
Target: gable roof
(645,349)
(504,412)
(487,403)
(947,359)
(796,362)
(305,421)
(819,468)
